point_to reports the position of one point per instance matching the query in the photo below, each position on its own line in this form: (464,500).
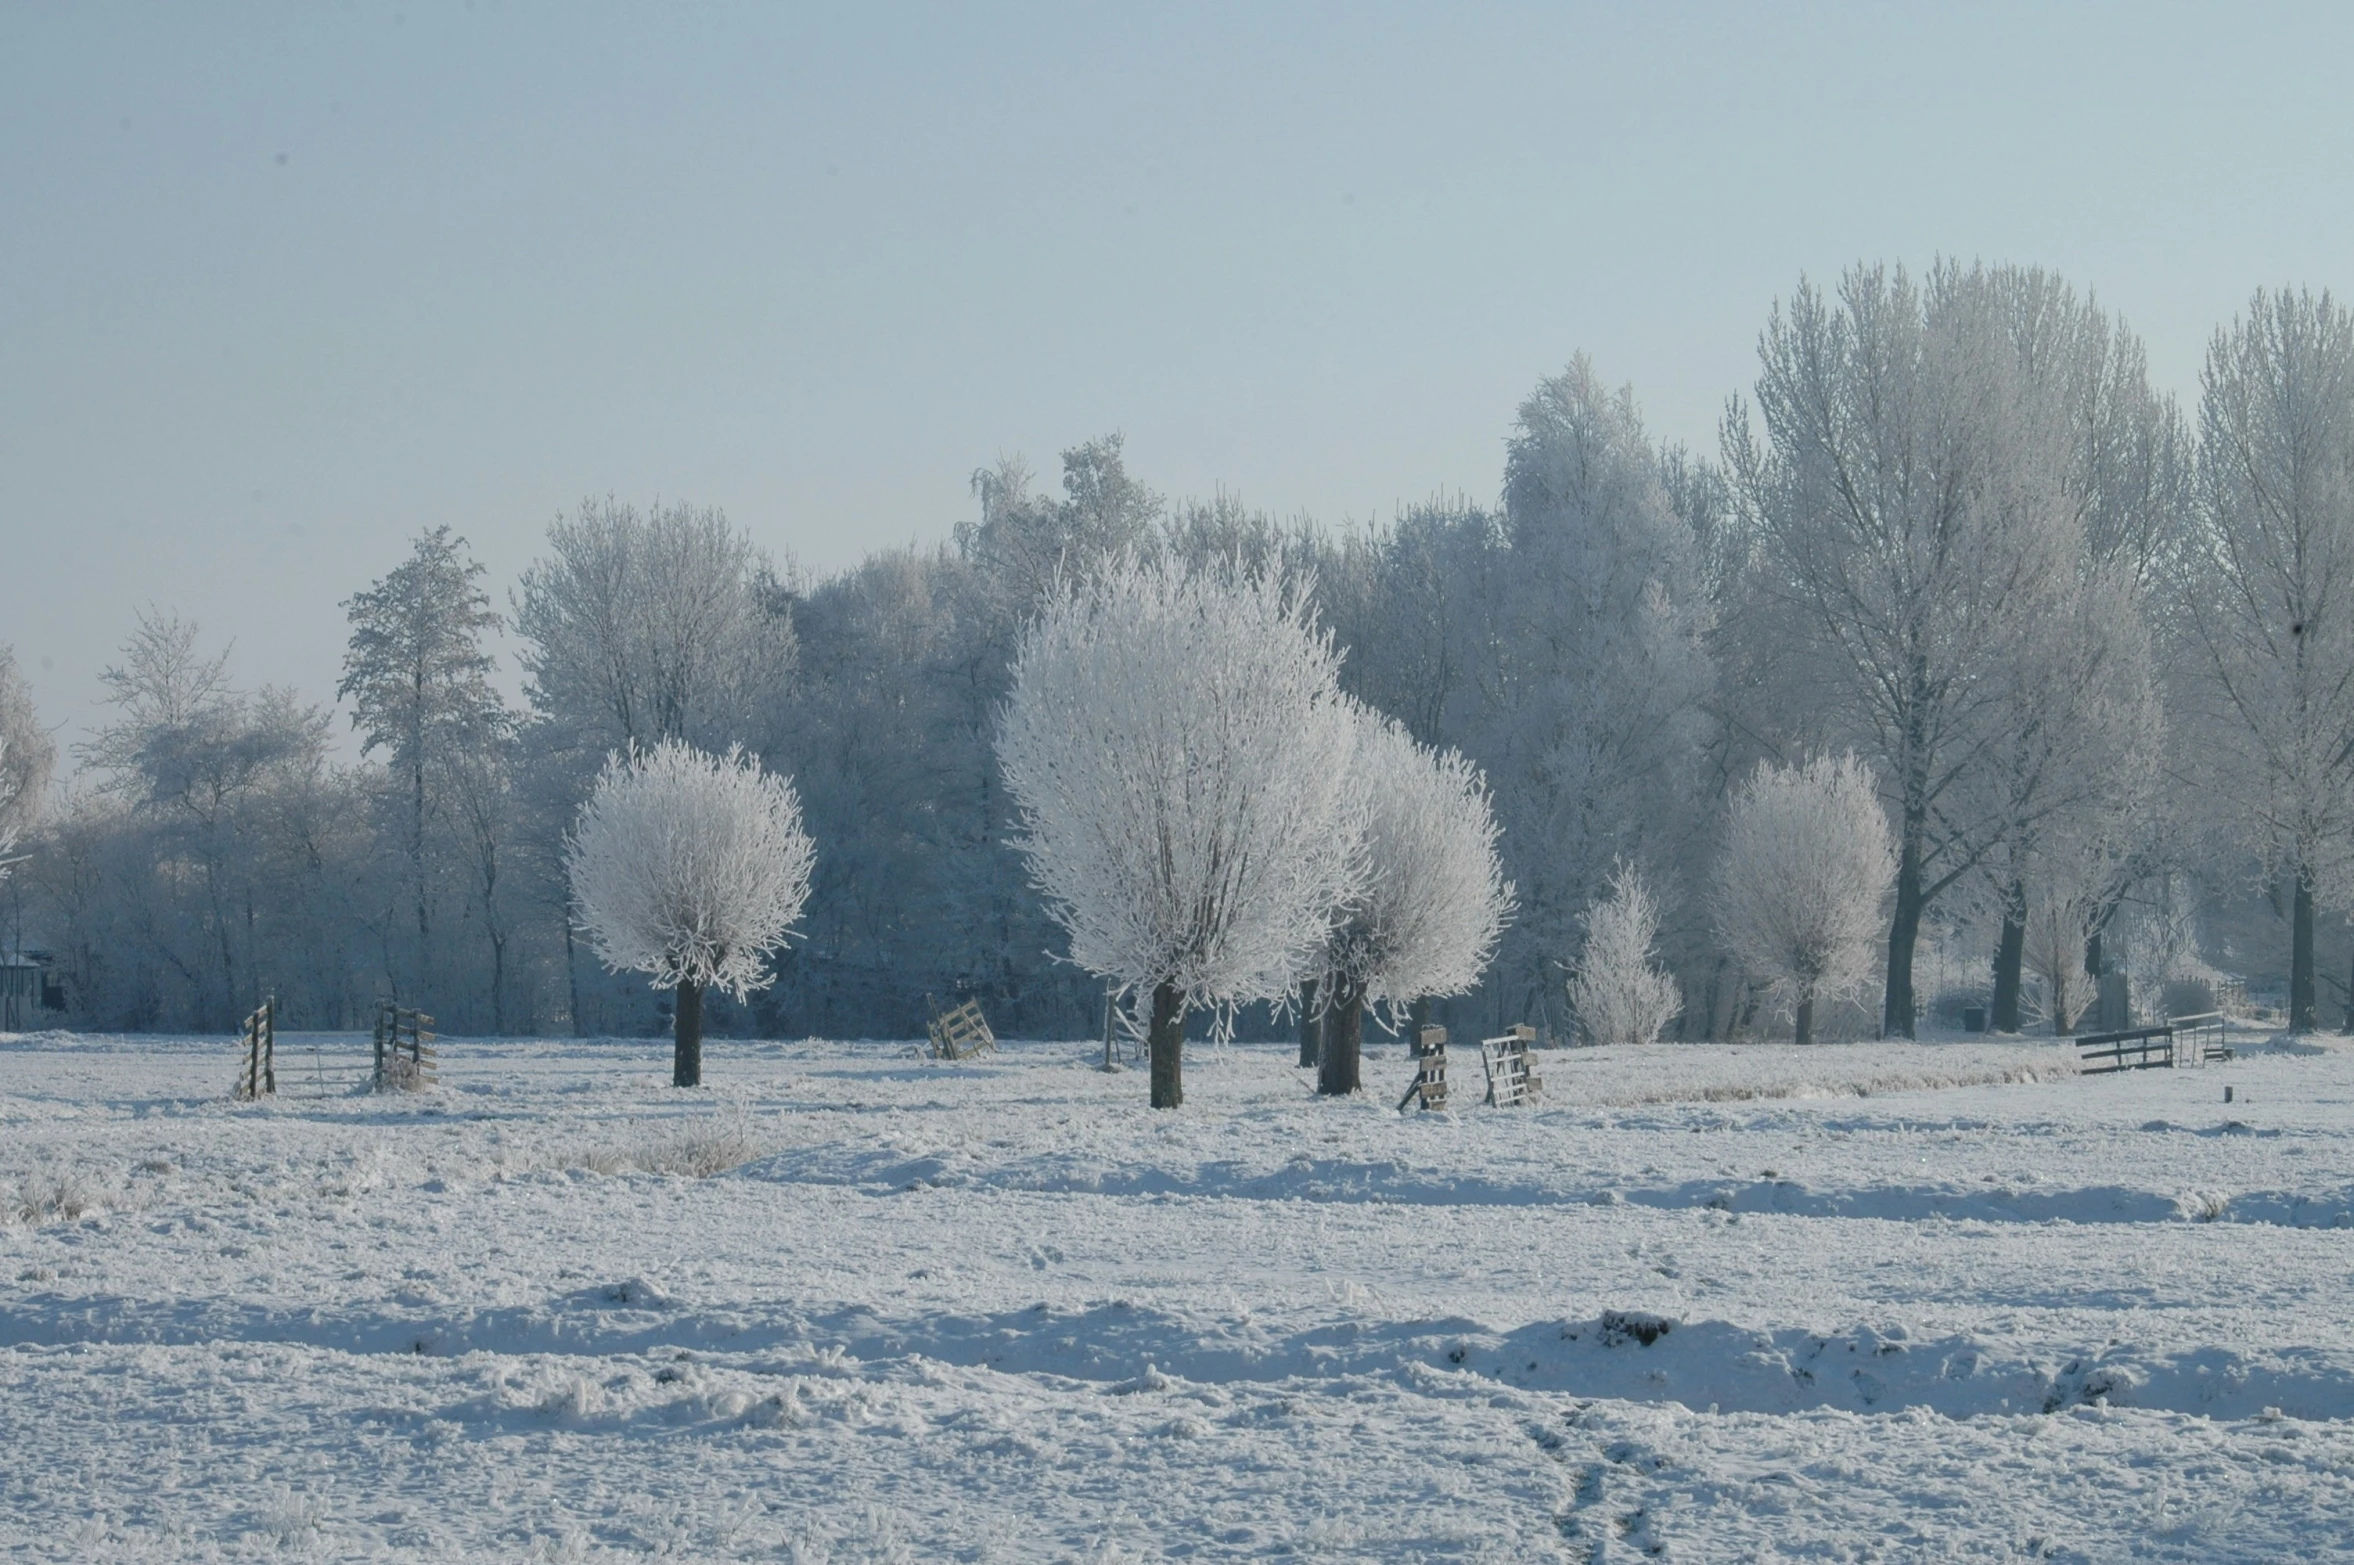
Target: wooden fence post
(260,1037)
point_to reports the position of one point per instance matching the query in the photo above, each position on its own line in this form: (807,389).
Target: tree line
(1954,564)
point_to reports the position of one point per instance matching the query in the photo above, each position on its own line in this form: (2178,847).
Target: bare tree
(1583,692)
(2075,773)
(639,627)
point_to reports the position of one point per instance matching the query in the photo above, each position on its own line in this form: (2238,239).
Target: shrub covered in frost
(1808,862)
(1620,992)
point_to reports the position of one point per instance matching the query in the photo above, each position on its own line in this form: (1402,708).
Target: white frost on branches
(1434,901)
(8,790)
(1180,754)
(1808,862)
(1620,993)
(689,866)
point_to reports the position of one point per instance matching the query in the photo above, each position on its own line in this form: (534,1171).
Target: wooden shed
(26,990)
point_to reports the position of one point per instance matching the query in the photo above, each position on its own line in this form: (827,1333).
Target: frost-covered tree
(1805,873)
(2073,748)
(418,677)
(1583,675)
(891,719)
(229,792)
(1619,992)
(691,868)
(2064,900)
(8,803)
(639,627)
(1025,541)
(26,756)
(1426,918)
(1179,754)
(1908,504)
(2266,594)
(2075,770)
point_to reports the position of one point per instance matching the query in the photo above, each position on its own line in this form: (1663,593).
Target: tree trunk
(498,984)
(1167,1042)
(1896,1016)
(2009,952)
(1804,1032)
(572,973)
(2301,1006)
(686,1060)
(417,870)
(1417,1018)
(1344,1036)
(1311,1025)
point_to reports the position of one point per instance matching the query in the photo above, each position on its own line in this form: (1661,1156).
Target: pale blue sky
(280,285)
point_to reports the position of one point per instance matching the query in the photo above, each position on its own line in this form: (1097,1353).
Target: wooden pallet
(961,1032)
(1512,1079)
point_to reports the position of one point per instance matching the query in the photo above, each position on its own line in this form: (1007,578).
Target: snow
(1944,1300)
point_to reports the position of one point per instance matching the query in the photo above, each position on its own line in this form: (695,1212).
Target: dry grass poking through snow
(49,1196)
(702,1152)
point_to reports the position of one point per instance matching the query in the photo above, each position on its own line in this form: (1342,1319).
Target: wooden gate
(960,1032)
(1512,1081)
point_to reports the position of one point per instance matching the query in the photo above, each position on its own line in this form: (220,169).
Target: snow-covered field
(1945,1300)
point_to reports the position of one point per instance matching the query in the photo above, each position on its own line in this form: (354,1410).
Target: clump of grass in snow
(48,1196)
(700,1152)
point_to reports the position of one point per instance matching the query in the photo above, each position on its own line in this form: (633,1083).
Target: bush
(1620,994)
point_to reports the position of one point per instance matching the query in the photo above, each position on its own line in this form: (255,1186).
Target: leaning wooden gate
(1512,1079)
(960,1032)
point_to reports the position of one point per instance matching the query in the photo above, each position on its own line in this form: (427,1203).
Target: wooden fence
(2182,1041)
(259,1078)
(405,1057)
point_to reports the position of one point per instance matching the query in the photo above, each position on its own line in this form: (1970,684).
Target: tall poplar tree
(418,677)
